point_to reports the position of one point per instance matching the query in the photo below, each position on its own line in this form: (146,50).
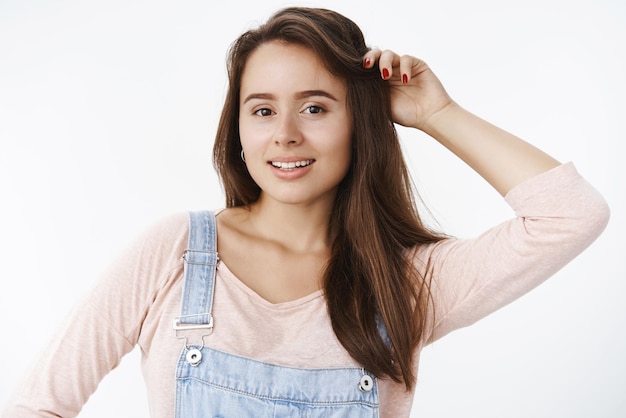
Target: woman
(327,284)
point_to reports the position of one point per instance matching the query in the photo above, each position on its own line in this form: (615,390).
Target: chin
(300,199)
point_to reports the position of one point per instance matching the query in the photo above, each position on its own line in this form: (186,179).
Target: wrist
(437,122)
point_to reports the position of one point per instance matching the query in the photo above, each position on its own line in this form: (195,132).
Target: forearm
(501,158)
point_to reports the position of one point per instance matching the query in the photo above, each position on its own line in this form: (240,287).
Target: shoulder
(165,231)
(162,241)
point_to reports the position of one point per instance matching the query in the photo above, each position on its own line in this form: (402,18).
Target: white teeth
(291,165)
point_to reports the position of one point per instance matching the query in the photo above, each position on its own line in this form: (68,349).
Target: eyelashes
(314,109)
(311,109)
(263,112)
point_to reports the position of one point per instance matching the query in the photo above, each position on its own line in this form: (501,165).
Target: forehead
(283,66)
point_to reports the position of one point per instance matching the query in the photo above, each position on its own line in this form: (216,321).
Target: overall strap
(200,262)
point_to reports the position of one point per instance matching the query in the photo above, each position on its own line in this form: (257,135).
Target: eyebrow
(300,95)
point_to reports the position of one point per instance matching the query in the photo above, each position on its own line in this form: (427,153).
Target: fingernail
(385,73)
(405,78)
(367,62)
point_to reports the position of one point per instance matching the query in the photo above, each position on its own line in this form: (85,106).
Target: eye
(313,109)
(263,112)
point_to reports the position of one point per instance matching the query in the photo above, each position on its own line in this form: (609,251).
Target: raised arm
(419,100)
(558,214)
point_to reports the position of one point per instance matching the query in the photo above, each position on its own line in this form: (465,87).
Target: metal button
(194,357)
(366,383)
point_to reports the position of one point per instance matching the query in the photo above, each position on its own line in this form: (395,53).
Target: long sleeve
(103,327)
(558,215)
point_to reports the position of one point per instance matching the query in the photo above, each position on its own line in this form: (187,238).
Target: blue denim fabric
(212,383)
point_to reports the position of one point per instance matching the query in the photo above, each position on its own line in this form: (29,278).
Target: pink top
(558,214)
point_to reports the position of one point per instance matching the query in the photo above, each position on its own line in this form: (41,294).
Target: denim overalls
(212,383)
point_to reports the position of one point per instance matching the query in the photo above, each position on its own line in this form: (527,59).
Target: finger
(406,67)
(387,60)
(370,58)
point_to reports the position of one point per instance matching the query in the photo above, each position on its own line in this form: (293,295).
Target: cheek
(250,138)
(341,150)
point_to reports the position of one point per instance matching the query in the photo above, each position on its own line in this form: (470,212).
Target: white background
(107,115)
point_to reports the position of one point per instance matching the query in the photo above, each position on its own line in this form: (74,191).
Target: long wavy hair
(368,279)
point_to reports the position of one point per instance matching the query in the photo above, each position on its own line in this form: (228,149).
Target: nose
(288,131)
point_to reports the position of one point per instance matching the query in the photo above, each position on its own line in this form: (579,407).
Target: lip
(293,173)
(291,159)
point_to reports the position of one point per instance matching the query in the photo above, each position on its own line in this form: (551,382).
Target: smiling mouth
(292,165)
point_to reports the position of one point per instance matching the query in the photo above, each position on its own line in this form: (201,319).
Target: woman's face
(295,125)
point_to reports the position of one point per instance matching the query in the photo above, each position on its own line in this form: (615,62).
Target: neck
(302,228)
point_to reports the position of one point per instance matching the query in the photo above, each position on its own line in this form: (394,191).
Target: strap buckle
(181,325)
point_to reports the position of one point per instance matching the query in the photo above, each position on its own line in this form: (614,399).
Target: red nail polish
(385,73)
(367,62)
(405,78)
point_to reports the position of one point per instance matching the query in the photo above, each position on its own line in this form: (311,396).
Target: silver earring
(243,157)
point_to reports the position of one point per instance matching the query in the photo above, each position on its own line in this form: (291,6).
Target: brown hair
(374,221)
